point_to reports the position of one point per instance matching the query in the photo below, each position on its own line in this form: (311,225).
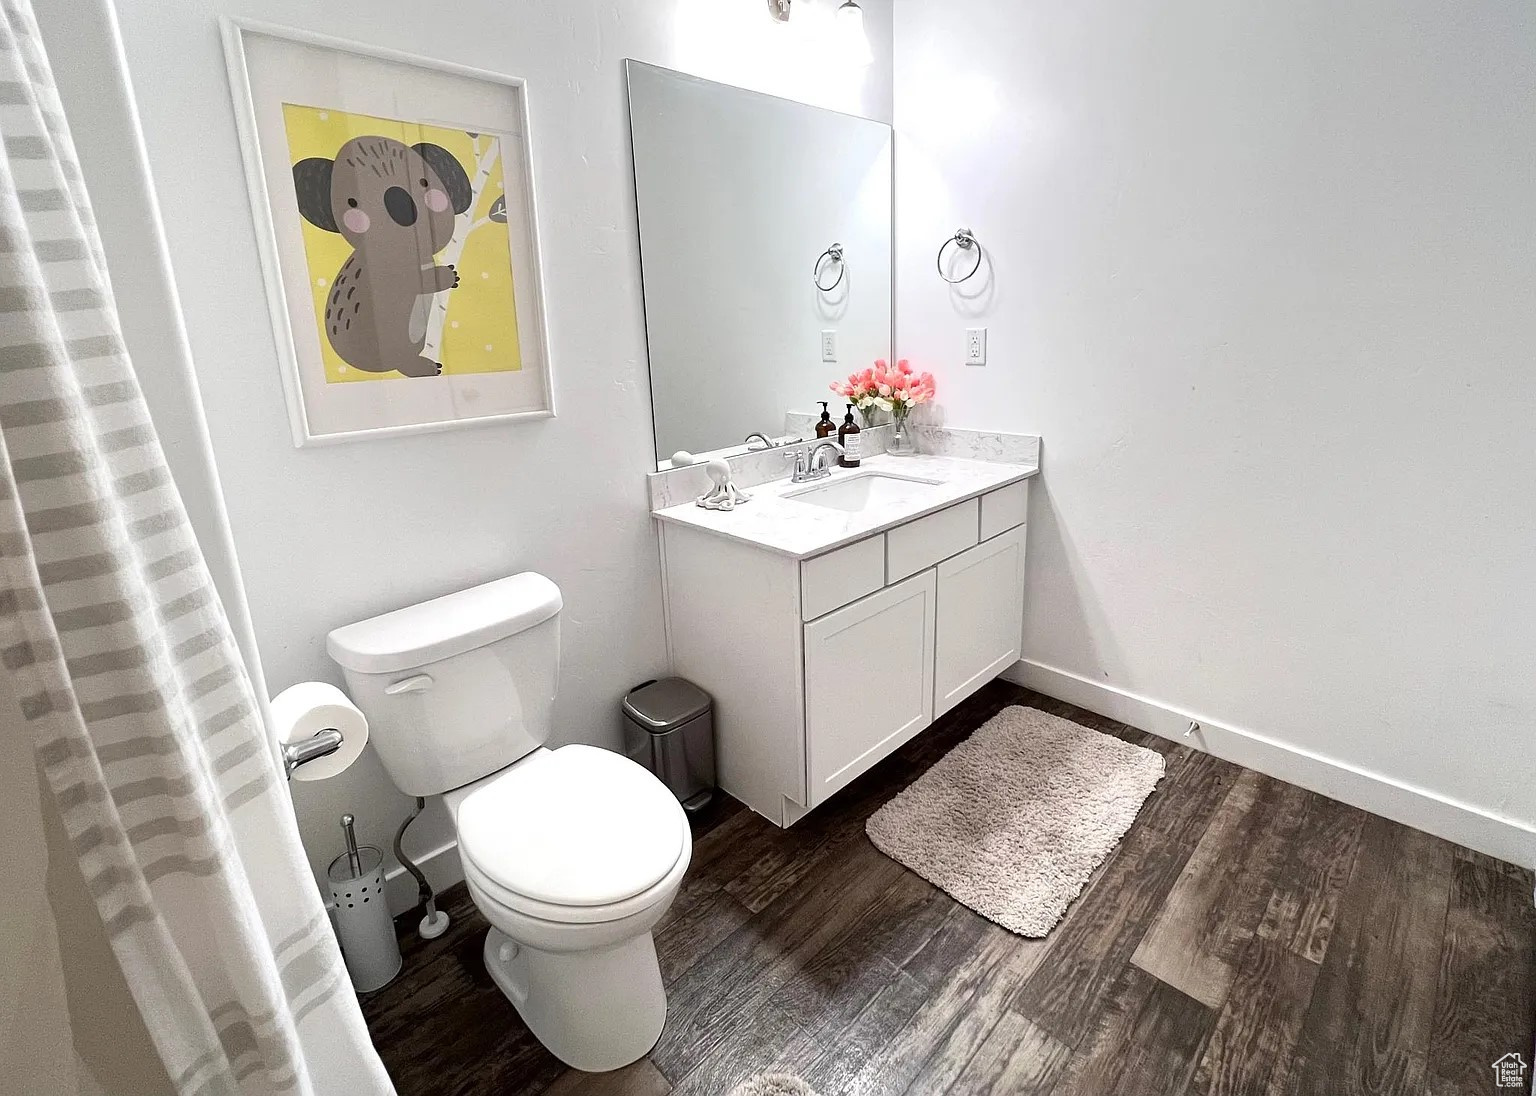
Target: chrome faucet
(767,441)
(809,464)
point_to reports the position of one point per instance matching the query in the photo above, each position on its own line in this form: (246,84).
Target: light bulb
(852,42)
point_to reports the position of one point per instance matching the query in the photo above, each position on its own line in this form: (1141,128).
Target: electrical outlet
(829,346)
(976,346)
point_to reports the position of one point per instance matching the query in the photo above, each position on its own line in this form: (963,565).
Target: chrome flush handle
(416,684)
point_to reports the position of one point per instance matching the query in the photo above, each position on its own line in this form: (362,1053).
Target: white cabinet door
(868,681)
(981,617)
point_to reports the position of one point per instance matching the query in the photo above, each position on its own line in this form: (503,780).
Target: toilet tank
(457,687)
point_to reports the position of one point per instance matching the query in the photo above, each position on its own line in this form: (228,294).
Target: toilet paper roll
(301,710)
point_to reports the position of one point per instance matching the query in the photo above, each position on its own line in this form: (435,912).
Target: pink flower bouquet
(881,388)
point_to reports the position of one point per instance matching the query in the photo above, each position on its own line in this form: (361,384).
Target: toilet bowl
(576,956)
(572,854)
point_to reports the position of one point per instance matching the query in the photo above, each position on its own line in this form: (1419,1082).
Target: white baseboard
(441,867)
(1499,836)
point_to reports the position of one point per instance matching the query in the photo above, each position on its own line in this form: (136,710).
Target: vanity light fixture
(852,42)
(849,40)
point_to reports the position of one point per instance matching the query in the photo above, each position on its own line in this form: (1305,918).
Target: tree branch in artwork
(487,151)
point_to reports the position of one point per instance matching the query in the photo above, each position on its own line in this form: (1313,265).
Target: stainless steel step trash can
(669,727)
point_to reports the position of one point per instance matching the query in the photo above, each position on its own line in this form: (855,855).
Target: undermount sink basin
(863,490)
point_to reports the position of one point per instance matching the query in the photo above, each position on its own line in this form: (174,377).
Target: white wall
(1262,276)
(327,536)
(738,194)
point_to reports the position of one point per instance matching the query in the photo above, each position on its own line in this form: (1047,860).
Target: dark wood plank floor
(1247,937)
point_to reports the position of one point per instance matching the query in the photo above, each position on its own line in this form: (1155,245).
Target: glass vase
(900,443)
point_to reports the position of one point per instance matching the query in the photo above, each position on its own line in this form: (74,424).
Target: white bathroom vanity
(833,621)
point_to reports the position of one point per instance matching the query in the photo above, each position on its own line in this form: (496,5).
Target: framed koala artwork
(394,206)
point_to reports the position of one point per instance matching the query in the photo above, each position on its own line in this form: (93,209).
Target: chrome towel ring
(835,254)
(964,239)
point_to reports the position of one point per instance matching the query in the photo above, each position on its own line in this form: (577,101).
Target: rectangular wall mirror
(740,197)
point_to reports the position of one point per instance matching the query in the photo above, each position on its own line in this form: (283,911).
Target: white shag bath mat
(773,1084)
(1014,820)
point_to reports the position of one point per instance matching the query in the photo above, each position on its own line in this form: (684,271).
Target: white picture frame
(272,66)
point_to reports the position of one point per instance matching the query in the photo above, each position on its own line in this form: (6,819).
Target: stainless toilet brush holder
(364,927)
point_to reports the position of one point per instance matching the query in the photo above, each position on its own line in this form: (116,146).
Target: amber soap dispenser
(826,427)
(848,438)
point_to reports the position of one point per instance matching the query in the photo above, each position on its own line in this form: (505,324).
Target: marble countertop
(801,529)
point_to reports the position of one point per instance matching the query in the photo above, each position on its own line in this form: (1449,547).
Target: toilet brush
(435,923)
(360,913)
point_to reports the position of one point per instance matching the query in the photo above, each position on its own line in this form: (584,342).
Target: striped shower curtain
(129,682)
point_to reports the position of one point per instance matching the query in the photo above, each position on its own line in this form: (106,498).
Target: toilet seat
(574,835)
(487,890)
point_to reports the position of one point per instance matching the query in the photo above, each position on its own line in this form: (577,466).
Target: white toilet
(572,854)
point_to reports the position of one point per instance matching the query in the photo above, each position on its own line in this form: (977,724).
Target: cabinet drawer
(831,581)
(922,543)
(1004,508)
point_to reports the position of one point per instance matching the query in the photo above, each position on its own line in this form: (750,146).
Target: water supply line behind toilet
(435,923)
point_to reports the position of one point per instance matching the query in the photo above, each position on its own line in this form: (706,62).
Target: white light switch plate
(829,346)
(976,346)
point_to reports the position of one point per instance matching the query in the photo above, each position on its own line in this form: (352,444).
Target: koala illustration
(395,204)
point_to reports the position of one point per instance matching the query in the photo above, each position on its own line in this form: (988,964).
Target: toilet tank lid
(445,626)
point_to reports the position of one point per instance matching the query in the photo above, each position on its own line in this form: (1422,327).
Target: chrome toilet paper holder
(322,743)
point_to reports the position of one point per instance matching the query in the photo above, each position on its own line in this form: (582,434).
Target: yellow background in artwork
(480,335)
